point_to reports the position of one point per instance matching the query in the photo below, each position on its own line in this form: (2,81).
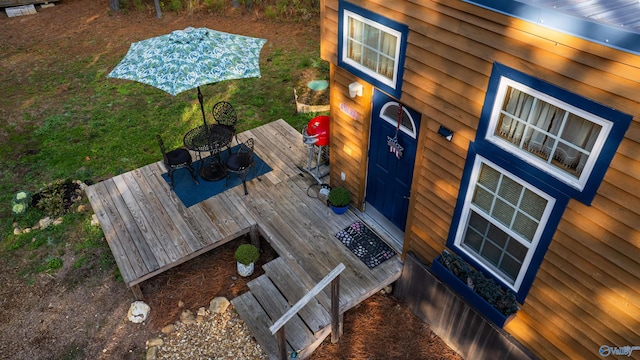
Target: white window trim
(345,43)
(394,122)
(578,183)
(464,220)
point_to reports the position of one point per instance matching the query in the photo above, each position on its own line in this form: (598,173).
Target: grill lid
(317,131)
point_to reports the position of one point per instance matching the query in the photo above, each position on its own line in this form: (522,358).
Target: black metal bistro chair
(225,114)
(241,162)
(176,159)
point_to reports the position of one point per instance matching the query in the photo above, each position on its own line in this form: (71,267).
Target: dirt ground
(73,314)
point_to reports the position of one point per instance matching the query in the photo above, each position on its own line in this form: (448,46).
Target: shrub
(246,254)
(339,197)
(51,199)
(503,300)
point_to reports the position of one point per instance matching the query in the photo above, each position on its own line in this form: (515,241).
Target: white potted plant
(246,255)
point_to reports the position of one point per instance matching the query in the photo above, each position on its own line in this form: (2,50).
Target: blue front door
(389,177)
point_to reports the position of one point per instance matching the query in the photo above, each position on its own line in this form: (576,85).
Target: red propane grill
(317,131)
(316,134)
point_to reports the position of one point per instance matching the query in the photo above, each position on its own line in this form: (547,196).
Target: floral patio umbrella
(186,59)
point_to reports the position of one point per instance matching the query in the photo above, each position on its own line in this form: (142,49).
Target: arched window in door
(389,113)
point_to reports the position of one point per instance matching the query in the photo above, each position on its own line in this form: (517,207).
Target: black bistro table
(211,138)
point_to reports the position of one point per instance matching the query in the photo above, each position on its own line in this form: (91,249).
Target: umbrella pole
(214,170)
(201,100)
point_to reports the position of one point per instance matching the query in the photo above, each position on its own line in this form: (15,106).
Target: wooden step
(258,322)
(298,335)
(315,315)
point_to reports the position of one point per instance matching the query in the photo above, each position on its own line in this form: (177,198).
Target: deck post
(137,292)
(282,343)
(336,319)
(254,235)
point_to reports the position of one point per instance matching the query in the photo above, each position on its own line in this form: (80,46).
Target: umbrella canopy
(186,59)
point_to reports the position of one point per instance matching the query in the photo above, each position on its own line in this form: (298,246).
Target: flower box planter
(467,293)
(303,108)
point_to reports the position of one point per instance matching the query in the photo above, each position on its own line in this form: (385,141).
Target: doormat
(191,193)
(365,244)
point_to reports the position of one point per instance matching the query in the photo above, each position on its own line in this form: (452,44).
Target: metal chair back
(241,162)
(176,159)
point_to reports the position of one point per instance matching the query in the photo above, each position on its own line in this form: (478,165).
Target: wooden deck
(149,230)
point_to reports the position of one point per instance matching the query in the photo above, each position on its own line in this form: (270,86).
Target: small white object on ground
(138,312)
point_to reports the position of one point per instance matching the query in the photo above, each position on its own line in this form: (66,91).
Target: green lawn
(79,124)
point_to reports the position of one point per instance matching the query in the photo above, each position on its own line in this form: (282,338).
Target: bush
(503,300)
(246,254)
(339,197)
(51,199)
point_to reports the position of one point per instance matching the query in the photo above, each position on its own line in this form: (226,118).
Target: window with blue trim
(557,137)
(372,47)
(504,218)
(537,146)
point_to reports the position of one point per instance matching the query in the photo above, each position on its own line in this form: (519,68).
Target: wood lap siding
(585,293)
(349,134)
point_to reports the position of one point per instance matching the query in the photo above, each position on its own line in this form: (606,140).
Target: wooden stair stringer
(275,305)
(257,320)
(271,295)
(314,314)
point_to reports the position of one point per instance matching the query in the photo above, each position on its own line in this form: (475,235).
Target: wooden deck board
(149,230)
(171,208)
(131,195)
(134,246)
(275,305)
(101,206)
(314,314)
(248,304)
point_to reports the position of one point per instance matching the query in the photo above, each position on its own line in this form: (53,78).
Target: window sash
(371,47)
(389,113)
(500,246)
(554,136)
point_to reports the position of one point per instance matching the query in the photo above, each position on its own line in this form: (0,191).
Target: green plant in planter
(503,300)
(339,197)
(246,254)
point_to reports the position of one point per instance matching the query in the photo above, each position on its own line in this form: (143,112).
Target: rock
(94,220)
(57,221)
(187,317)
(82,208)
(180,304)
(168,329)
(202,314)
(155,342)
(17,230)
(219,305)
(138,312)
(152,353)
(81,185)
(45,222)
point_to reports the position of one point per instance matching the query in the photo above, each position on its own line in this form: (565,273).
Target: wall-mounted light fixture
(355,89)
(445,133)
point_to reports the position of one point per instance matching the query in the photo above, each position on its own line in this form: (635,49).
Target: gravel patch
(208,335)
